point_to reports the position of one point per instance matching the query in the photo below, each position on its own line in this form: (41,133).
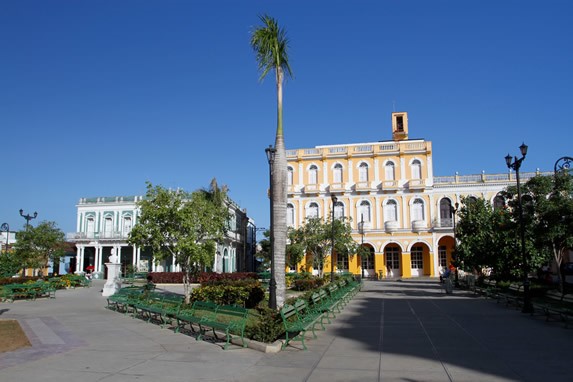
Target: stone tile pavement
(392,331)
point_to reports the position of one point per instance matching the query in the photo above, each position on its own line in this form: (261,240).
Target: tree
(36,246)
(487,239)
(183,226)
(315,236)
(270,44)
(548,213)
(294,249)
(10,264)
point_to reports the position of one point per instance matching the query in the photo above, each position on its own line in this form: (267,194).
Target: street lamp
(515,165)
(334,200)
(271,152)
(361,231)
(6,227)
(454,211)
(28,217)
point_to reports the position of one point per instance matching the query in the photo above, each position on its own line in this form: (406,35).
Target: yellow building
(401,212)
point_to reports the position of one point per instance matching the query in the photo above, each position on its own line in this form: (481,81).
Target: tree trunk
(279,183)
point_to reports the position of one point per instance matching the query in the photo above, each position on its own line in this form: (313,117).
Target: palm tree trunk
(279,176)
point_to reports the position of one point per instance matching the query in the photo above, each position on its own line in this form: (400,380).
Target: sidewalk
(392,331)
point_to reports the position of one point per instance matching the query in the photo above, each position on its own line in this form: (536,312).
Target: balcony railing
(311,189)
(418,184)
(79,236)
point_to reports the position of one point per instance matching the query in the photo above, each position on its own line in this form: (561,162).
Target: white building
(104,224)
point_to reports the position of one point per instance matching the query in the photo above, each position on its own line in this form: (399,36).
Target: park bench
(192,315)
(123,299)
(14,292)
(161,308)
(229,319)
(297,319)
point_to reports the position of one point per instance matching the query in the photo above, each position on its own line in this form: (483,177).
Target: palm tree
(270,44)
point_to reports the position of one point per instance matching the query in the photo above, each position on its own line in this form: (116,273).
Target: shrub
(202,277)
(266,326)
(307,284)
(247,293)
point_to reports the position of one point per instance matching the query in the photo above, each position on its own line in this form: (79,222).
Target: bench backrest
(288,313)
(232,312)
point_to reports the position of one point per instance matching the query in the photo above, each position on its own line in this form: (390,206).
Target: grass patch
(13,337)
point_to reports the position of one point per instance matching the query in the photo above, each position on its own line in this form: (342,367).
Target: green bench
(161,308)
(229,319)
(191,316)
(204,316)
(297,320)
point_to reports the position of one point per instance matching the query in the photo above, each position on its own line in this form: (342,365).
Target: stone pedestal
(113,283)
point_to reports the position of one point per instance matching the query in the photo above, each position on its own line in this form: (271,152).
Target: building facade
(400,211)
(104,224)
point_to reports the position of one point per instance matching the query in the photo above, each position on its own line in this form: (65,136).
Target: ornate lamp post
(563,164)
(28,217)
(271,152)
(334,200)
(6,227)
(515,165)
(454,211)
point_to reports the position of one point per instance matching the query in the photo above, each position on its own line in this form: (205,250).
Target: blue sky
(98,97)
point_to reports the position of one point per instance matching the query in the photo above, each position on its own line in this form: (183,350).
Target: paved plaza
(392,331)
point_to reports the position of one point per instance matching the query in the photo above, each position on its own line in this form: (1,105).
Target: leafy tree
(548,215)
(294,249)
(10,264)
(38,245)
(315,236)
(486,238)
(270,45)
(264,253)
(182,225)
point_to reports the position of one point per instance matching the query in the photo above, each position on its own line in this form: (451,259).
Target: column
(79,256)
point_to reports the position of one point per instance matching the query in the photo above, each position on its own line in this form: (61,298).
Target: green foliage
(316,237)
(271,47)
(266,325)
(307,284)
(247,293)
(36,246)
(10,264)
(184,225)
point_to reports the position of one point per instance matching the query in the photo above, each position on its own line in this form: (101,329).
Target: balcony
(391,226)
(417,184)
(389,185)
(337,187)
(95,236)
(362,186)
(418,225)
(311,189)
(444,223)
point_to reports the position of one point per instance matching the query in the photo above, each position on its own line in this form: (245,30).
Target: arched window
(127,224)
(446,212)
(364,210)
(90,225)
(313,175)
(290,176)
(391,211)
(337,173)
(418,210)
(363,172)
(312,210)
(389,171)
(290,215)
(339,210)
(498,202)
(108,226)
(471,199)
(416,169)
